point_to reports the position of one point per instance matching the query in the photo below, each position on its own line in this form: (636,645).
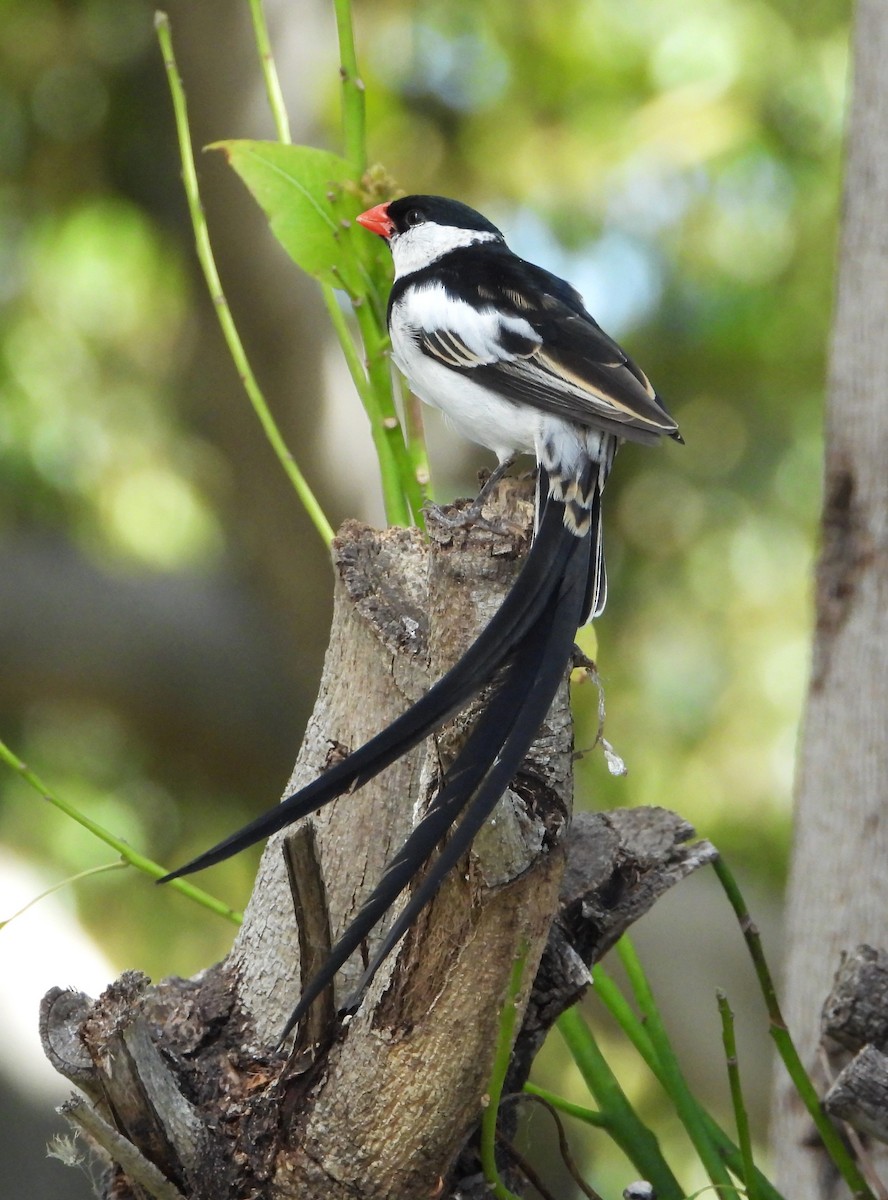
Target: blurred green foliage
(678,160)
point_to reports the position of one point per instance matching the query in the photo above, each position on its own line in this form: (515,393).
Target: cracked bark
(187,1072)
(854,1025)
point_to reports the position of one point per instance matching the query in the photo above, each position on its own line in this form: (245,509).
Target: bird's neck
(425,244)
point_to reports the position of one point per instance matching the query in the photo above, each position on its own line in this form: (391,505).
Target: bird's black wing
(540,347)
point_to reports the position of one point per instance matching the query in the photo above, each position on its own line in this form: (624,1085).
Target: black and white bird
(508,352)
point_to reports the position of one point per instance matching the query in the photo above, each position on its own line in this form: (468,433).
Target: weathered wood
(856,1011)
(313,930)
(425,1034)
(144,1178)
(860,1094)
(384,1110)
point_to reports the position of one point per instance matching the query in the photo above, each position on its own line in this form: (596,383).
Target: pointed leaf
(311,200)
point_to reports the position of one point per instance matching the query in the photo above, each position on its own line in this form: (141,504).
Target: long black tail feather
(494,646)
(480,774)
(596,583)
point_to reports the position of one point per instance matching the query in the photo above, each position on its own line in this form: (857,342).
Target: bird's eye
(414,217)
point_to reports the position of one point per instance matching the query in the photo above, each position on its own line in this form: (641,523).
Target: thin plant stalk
(126,852)
(589,1116)
(269,72)
(404,471)
(607,991)
(685,1105)
(385,431)
(282,126)
(629,1132)
(830,1136)
(117,865)
(402,492)
(741,1117)
(402,497)
(414,435)
(353,106)
(223,312)
(402,455)
(505,1038)
(349,349)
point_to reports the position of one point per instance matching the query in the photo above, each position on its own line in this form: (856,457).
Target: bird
(510,355)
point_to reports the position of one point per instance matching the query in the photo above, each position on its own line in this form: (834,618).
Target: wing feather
(524,333)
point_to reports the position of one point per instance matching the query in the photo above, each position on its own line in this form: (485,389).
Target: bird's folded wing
(549,355)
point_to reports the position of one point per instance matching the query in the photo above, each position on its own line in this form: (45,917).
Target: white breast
(478,414)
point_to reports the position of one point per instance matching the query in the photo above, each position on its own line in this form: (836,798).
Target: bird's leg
(472,515)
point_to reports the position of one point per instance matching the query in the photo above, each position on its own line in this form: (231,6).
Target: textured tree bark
(838,893)
(188,1091)
(859,1096)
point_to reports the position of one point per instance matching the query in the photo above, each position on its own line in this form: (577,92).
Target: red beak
(377,220)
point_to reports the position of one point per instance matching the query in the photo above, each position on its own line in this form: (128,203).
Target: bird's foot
(465,518)
(472,514)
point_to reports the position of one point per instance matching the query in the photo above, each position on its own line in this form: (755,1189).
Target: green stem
(400,488)
(269,72)
(404,470)
(613,1000)
(279,112)
(633,1137)
(607,991)
(741,1117)
(350,351)
(402,455)
(673,1080)
(504,1041)
(126,852)
(223,312)
(118,865)
(832,1141)
(414,435)
(353,107)
(386,432)
(590,1116)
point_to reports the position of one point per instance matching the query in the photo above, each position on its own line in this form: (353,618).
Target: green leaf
(311,200)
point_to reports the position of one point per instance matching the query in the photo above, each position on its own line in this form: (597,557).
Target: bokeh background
(163,599)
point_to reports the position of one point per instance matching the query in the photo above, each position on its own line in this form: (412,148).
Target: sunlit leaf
(311,201)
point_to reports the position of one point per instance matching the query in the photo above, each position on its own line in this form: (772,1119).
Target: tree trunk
(186,1089)
(838,893)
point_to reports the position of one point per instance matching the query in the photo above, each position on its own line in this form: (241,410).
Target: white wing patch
(464,336)
(450,349)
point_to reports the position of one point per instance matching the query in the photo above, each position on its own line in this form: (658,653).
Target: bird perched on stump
(507,351)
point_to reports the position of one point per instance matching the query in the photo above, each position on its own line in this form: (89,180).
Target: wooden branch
(313,930)
(417,1056)
(189,1070)
(855,1018)
(856,1011)
(145,1177)
(860,1094)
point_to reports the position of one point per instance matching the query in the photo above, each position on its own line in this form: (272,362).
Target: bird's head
(420,229)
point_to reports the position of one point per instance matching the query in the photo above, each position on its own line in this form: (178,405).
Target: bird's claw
(470,517)
(463,518)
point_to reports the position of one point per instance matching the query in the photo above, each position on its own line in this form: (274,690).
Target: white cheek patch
(421,245)
(481,330)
